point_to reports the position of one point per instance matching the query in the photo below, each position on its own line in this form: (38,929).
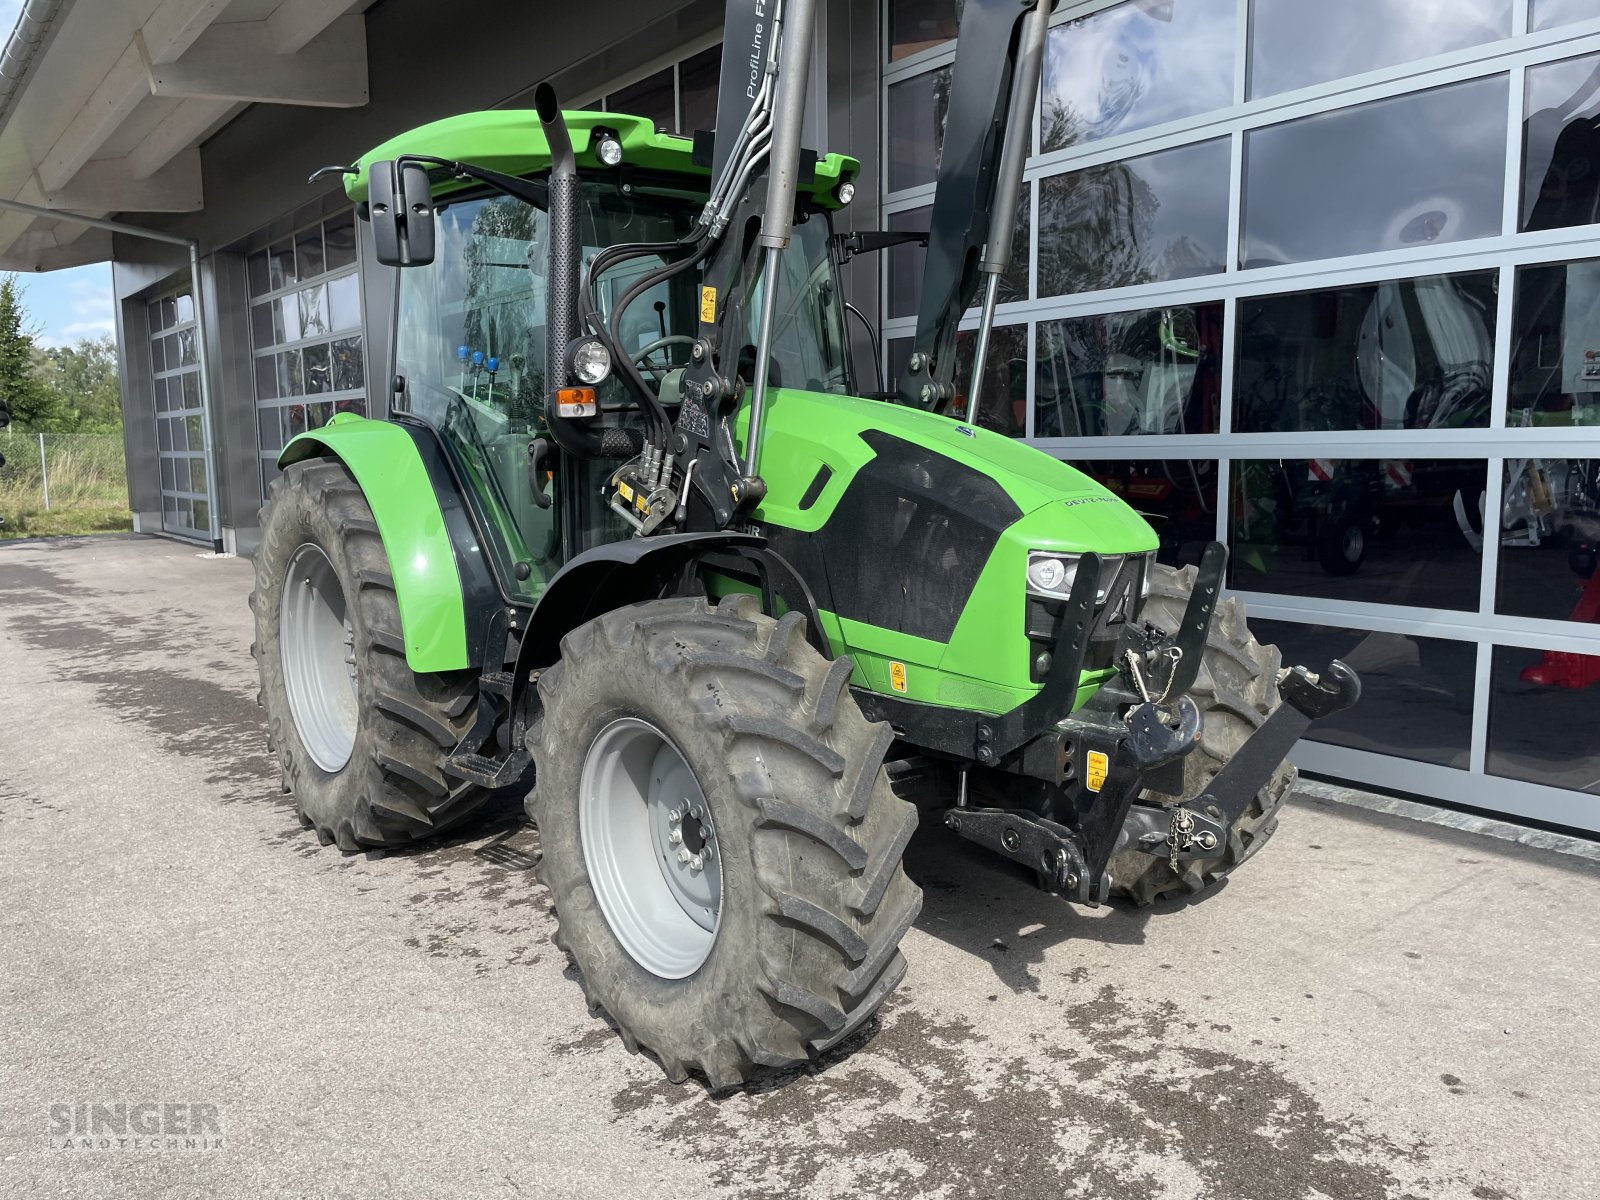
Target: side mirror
(400,203)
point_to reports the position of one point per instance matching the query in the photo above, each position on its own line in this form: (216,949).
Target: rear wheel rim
(651,851)
(316,644)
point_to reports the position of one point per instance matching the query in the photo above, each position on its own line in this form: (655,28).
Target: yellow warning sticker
(625,492)
(1099,768)
(708,305)
(897,676)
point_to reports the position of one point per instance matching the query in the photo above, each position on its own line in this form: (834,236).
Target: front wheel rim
(317,646)
(652,853)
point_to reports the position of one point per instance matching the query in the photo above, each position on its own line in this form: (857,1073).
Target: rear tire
(365,767)
(1236,691)
(812,901)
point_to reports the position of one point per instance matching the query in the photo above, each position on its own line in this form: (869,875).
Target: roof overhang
(103,106)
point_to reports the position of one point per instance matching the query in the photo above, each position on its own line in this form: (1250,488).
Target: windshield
(470,349)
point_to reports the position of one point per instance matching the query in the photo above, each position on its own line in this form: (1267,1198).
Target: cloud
(91,310)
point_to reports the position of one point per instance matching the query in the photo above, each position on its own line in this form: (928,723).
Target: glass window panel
(197,476)
(1156,217)
(294,420)
(344,303)
(319,414)
(256,272)
(164,434)
(1136,65)
(1415,170)
(169,312)
(180,441)
(313,312)
(185,347)
(917,111)
(269,472)
(280,266)
(356,404)
(1294,44)
(339,241)
(194,433)
(269,424)
(185,514)
(172,351)
(191,389)
(202,514)
(1149,371)
(1380,531)
(1405,354)
(266,377)
(185,308)
(155,317)
(348,371)
(651,97)
(698,77)
(1003,406)
(1550,540)
(318,370)
(158,392)
(1561,145)
(291,380)
(1540,732)
(158,355)
(1555,346)
(286,318)
(308,259)
(916,25)
(1547,14)
(261,331)
(167,483)
(1416,692)
(1177,496)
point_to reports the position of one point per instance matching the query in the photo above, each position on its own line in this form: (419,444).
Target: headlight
(590,361)
(1053,574)
(846,192)
(608,150)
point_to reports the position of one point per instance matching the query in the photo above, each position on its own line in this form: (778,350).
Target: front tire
(360,739)
(798,942)
(1237,690)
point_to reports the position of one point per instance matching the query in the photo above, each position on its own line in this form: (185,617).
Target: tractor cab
(471,336)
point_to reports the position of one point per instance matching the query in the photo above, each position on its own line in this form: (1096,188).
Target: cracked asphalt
(1372,1008)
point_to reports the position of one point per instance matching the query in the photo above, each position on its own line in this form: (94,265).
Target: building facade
(1321,281)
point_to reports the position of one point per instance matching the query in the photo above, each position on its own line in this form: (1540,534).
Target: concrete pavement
(1372,1008)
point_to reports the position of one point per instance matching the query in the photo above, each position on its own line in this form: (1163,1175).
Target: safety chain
(1181,835)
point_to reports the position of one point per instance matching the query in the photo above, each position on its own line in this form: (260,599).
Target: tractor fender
(445,589)
(607,577)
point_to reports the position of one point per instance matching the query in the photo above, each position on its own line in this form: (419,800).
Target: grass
(88,488)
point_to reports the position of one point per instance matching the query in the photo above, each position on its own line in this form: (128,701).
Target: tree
(32,404)
(83,381)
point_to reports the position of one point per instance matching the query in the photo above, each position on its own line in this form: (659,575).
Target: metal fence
(54,471)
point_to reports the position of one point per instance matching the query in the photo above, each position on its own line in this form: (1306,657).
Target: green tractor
(638,536)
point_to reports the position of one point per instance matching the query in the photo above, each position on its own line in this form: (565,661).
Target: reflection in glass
(698,76)
(1294,44)
(1405,354)
(1177,496)
(1561,145)
(1416,692)
(1379,531)
(1136,65)
(1415,170)
(1547,14)
(1550,540)
(917,25)
(653,96)
(1555,348)
(339,240)
(917,111)
(1150,371)
(1157,217)
(1541,732)
(906,262)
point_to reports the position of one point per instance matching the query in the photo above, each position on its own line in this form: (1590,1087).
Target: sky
(63,306)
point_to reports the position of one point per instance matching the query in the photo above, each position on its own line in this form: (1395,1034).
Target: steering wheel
(649,348)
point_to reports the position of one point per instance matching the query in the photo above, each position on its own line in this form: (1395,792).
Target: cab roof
(512,142)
